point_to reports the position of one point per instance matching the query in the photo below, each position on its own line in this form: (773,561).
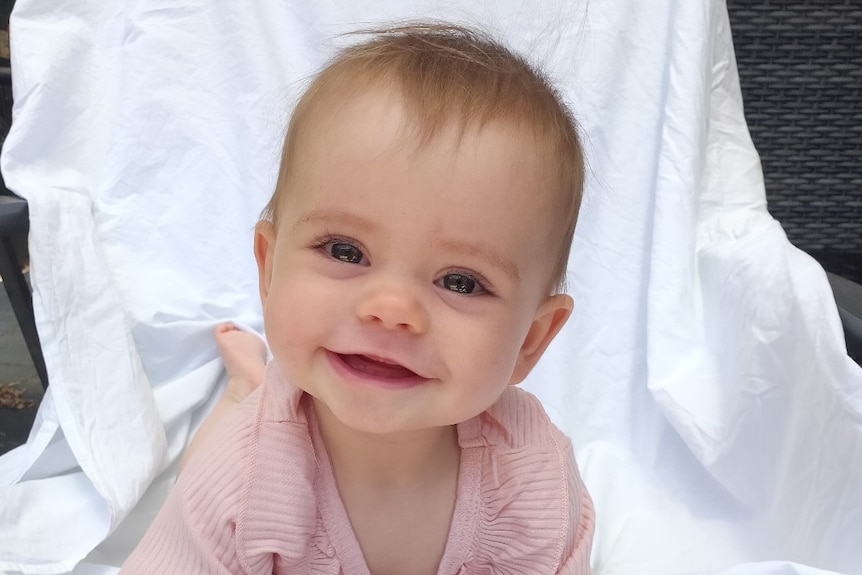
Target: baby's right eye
(343,250)
(346,252)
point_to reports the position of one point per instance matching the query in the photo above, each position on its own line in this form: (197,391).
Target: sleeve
(196,529)
(537,517)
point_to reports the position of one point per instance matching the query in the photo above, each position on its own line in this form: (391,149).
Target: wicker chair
(800,66)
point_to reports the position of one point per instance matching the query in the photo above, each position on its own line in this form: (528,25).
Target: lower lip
(349,373)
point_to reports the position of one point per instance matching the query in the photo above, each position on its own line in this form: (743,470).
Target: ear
(264,247)
(550,318)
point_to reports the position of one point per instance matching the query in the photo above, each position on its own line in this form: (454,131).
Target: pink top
(261,497)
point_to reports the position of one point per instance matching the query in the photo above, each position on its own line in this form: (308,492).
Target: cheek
(487,350)
(294,316)
(485,373)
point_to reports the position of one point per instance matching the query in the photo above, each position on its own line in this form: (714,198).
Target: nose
(394,306)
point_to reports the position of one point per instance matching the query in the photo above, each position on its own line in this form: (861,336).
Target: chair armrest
(848,296)
(14,216)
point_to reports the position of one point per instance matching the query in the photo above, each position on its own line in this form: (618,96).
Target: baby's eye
(345,252)
(341,249)
(461,283)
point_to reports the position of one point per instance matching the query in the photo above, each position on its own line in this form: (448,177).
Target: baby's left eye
(461,283)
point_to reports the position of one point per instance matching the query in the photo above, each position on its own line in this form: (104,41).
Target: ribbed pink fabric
(261,498)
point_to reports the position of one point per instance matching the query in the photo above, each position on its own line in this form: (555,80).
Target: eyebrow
(335,216)
(459,247)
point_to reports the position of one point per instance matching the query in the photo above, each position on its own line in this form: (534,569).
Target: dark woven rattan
(800,65)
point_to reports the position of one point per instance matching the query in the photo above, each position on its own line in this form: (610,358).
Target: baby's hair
(446,73)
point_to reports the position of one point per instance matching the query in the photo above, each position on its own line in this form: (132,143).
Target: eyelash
(480,282)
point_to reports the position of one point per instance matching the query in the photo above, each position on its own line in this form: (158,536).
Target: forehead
(372,134)
(374,122)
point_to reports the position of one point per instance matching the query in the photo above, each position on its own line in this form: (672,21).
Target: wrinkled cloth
(714,413)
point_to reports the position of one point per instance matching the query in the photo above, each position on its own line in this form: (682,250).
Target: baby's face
(403,283)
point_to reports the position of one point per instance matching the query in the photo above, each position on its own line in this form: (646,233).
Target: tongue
(376,368)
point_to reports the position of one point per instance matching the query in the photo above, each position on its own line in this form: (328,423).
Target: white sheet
(716,418)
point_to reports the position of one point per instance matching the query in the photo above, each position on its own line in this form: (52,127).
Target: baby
(411,262)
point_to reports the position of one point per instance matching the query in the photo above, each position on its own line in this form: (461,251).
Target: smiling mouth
(374,371)
(377,368)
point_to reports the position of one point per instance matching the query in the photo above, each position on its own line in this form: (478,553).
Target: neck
(388,461)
